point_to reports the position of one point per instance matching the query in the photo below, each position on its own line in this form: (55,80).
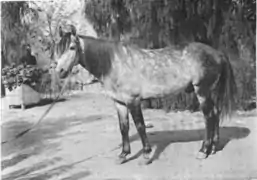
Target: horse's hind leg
(136,112)
(208,109)
(122,111)
(216,135)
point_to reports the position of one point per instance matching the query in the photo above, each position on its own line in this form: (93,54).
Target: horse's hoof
(213,151)
(214,148)
(201,155)
(121,160)
(145,160)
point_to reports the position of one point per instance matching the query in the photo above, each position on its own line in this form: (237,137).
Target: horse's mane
(108,44)
(97,39)
(104,45)
(64,43)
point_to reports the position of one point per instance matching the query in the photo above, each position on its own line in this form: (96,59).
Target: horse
(130,74)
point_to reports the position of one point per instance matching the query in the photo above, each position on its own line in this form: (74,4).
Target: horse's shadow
(162,139)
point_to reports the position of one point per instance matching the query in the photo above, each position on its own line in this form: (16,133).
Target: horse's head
(67,51)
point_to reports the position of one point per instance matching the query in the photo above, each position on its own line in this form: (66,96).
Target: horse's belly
(142,84)
(152,90)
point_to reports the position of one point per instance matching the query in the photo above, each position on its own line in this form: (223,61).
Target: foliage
(15,76)
(163,22)
(52,15)
(14,28)
(35,23)
(14,14)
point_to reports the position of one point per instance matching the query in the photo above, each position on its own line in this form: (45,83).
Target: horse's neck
(84,65)
(92,71)
(99,70)
(82,60)
(97,65)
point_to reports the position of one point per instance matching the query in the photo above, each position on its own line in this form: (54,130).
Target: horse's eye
(72,48)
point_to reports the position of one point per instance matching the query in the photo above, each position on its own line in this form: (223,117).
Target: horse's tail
(226,94)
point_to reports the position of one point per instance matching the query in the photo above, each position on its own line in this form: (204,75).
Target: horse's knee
(140,126)
(207,107)
(124,128)
(122,112)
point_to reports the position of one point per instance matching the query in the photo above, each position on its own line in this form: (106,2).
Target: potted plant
(20,83)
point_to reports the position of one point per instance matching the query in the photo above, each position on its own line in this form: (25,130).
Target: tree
(15,16)
(13,31)
(35,23)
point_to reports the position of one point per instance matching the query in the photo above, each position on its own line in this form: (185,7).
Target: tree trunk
(115,32)
(2,90)
(155,27)
(2,65)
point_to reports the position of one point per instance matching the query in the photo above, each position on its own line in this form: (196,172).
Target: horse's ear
(73,30)
(60,31)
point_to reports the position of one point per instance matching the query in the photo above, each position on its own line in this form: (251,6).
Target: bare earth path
(86,125)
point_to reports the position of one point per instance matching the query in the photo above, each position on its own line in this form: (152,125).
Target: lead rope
(46,112)
(43,115)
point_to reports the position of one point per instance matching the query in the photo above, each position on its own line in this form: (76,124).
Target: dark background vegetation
(228,25)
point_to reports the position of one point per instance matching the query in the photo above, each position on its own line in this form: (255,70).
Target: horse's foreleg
(122,111)
(207,107)
(136,112)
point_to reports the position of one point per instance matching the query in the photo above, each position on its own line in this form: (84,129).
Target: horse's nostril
(61,70)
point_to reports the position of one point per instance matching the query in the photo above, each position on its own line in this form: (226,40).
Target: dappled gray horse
(130,74)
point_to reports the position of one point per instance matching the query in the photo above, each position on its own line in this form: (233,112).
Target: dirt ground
(79,139)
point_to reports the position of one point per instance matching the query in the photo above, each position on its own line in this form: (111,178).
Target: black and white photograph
(128,90)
